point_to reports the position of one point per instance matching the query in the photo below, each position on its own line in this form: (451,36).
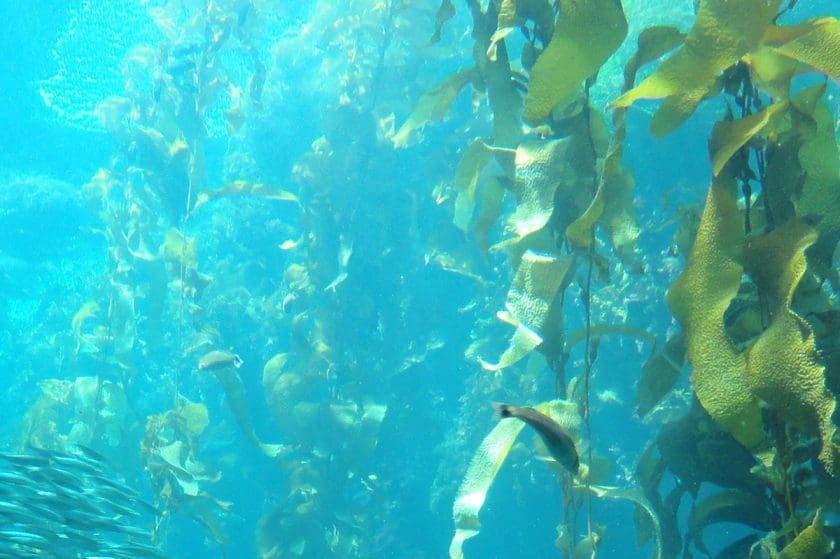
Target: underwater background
(265,267)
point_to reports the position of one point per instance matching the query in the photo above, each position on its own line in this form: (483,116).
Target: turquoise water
(220,271)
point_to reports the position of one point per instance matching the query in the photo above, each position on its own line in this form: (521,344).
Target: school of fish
(68,505)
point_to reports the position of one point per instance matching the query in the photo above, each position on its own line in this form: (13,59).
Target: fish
(217,359)
(560,445)
(70,504)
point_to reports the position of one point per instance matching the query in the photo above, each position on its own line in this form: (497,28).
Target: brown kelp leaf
(585,35)
(699,298)
(434,104)
(245,188)
(535,306)
(722,33)
(730,136)
(660,373)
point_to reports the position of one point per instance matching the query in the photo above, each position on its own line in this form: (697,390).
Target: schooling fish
(559,444)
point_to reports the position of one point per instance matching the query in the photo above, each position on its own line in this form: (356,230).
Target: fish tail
(502,410)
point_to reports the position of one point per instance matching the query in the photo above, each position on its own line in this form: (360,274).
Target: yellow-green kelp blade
(484,466)
(480,475)
(534,306)
(810,543)
(475,157)
(585,35)
(722,33)
(815,42)
(699,298)
(783,366)
(730,136)
(434,104)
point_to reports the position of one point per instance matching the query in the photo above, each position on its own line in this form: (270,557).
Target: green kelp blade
(722,33)
(783,365)
(730,505)
(585,35)
(636,496)
(534,306)
(434,104)
(699,298)
(482,471)
(652,43)
(660,373)
(815,42)
(485,464)
(541,166)
(245,188)
(810,543)
(475,158)
(492,203)
(771,71)
(730,136)
(819,199)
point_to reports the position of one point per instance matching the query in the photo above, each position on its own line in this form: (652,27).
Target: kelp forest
(316,243)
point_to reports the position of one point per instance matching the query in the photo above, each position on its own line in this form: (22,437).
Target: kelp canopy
(322,260)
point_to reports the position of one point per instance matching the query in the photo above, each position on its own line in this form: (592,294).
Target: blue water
(394,325)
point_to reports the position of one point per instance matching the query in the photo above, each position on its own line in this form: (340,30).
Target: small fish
(559,444)
(217,359)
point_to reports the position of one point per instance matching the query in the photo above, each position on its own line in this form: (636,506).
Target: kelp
(730,506)
(699,298)
(87,410)
(487,462)
(585,35)
(730,136)
(723,34)
(812,542)
(723,31)
(659,374)
(783,365)
(245,188)
(169,451)
(444,13)
(475,157)
(535,307)
(433,105)
(225,372)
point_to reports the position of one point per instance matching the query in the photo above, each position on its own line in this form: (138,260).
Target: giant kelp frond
(585,35)
(486,463)
(699,298)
